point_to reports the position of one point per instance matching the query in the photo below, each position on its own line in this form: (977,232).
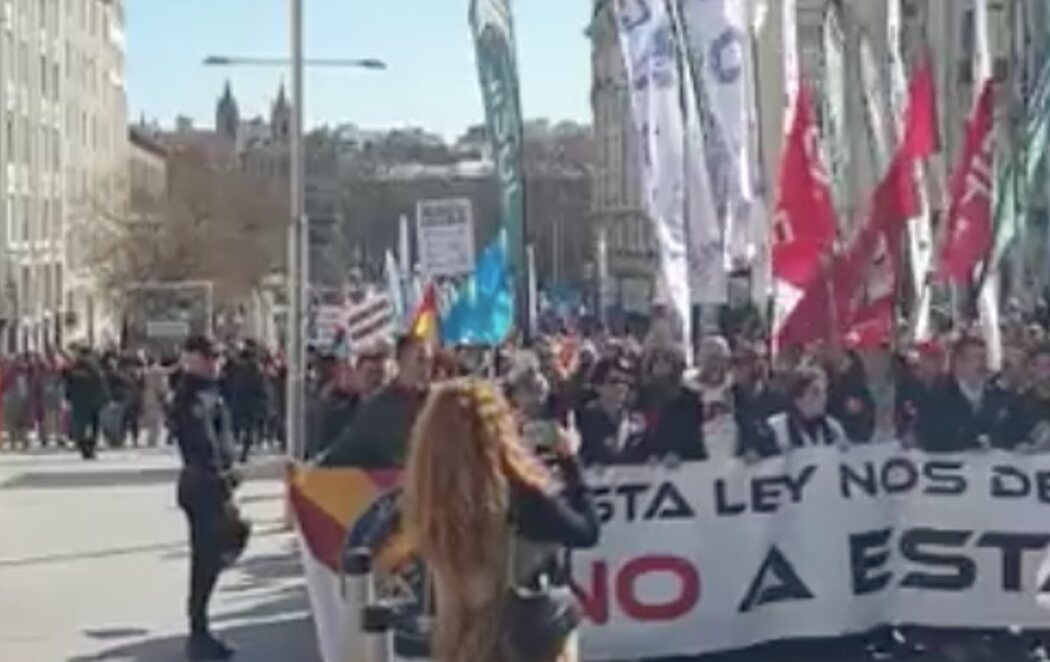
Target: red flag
(857,293)
(920,119)
(969,231)
(804,228)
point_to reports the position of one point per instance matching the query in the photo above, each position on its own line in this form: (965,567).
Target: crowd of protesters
(89,399)
(622,399)
(638,401)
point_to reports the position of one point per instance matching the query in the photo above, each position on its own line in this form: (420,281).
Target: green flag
(1017,179)
(493,27)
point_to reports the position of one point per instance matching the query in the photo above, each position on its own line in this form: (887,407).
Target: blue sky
(432,80)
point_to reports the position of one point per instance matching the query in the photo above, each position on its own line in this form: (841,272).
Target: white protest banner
(820,543)
(445,232)
(718,556)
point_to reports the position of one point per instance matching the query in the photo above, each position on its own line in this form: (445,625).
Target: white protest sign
(821,543)
(445,232)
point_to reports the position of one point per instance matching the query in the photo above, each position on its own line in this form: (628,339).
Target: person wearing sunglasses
(604,423)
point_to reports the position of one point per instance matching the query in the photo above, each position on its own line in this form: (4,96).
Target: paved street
(93,564)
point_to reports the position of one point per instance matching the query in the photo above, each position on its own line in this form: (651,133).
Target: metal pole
(297,259)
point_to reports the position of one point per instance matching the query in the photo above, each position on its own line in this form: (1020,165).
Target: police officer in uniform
(201,424)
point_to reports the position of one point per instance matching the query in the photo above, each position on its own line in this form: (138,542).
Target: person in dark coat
(378,437)
(119,388)
(920,376)
(604,423)
(849,398)
(85,390)
(667,424)
(202,426)
(1030,429)
(967,411)
(755,400)
(245,390)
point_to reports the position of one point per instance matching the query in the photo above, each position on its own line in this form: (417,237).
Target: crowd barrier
(718,556)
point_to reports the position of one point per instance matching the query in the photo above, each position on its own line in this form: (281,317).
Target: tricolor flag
(425,322)
(335,509)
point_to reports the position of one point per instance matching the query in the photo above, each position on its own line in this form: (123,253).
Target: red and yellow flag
(425,320)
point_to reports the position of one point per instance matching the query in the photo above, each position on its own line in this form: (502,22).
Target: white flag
(719,45)
(647,41)
(395,287)
(792,68)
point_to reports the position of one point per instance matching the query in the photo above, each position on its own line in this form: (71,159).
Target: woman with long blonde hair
(488,518)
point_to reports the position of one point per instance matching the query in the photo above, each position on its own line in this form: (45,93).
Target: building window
(969,32)
(56,152)
(27,142)
(44,149)
(23,287)
(8,52)
(23,230)
(9,208)
(23,56)
(48,285)
(9,136)
(45,218)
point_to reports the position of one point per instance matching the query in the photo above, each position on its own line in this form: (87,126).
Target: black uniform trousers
(205,512)
(84,430)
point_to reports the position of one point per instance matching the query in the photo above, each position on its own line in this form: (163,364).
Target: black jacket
(567,519)
(949,423)
(379,433)
(85,387)
(912,398)
(850,402)
(202,427)
(599,436)
(1030,421)
(244,387)
(752,408)
(672,427)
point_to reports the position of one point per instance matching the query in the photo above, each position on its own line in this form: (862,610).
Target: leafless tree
(214,223)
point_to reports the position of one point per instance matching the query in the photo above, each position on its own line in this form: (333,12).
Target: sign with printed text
(721,555)
(820,543)
(445,232)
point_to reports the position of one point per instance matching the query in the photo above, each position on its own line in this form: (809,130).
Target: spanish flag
(425,320)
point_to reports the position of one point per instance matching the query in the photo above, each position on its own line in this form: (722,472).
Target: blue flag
(483,311)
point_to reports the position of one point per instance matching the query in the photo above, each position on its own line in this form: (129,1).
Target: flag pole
(685,75)
(759,145)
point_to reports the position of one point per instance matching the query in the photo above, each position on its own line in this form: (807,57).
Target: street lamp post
(298,227)
(298,258)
